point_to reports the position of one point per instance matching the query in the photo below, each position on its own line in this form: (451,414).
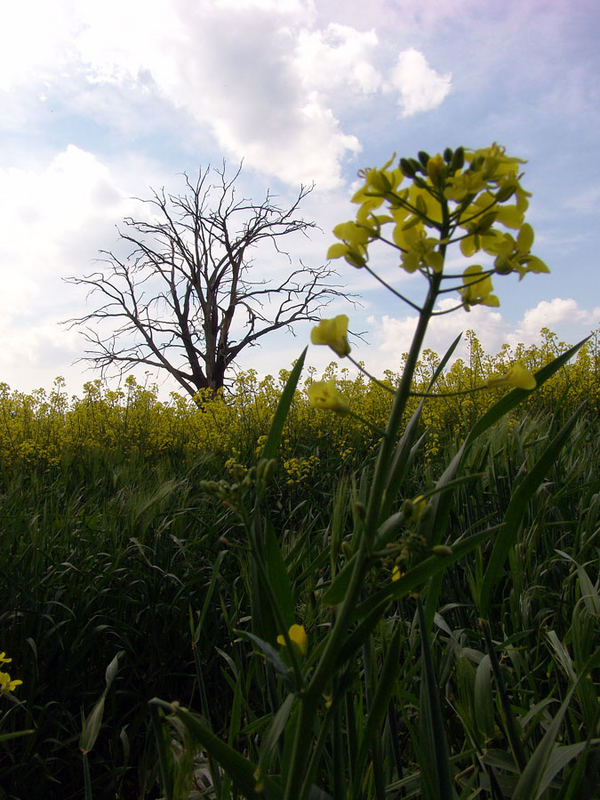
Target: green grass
(99,558)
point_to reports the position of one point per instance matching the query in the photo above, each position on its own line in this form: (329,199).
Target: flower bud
(407,168)
(436,169)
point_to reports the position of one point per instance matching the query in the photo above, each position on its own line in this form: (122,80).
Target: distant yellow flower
(324,394)
(517,375)
(6,684)
(298,638)
(477,288)
(4,659)
(333,332)
(396,574)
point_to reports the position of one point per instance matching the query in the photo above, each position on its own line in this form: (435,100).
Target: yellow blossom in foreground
(324,394)
(477,288)
(436,168)
(517,375)
(419,251)
(298,638)
(333,332)
(6,684)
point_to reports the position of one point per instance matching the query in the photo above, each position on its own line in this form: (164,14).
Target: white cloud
(54,221)
(35,42)
(392,336)
(336,56)
(421,88)
(258,74)
(558,313)
(48,216)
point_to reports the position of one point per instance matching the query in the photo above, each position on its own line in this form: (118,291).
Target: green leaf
(386,685)
(337,591)
(437,522)
(283,408)
(240,769)
(207,598)
(436,752)
(484,702)
(359,635)
(92,724)
(419,574)
(278,576)
(4,737)
(531,784)
(271,654)
(515,512)
(512,400)
(275,730)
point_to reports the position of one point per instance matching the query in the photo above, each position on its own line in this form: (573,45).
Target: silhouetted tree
(187,297)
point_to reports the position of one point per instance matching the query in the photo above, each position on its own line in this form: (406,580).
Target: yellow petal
(337,250)
(525,238)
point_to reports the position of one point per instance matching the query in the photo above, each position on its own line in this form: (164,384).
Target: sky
(100,102)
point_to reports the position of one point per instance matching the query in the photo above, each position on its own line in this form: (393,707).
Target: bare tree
(181,298)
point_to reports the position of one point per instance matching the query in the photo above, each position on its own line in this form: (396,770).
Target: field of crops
(115,550)
(319,587)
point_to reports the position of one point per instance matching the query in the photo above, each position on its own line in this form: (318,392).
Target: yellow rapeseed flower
(518,375)
(436,168)
(298,638)
(6,684)
(333,332)
(324,394)
(477,288)
(420,251)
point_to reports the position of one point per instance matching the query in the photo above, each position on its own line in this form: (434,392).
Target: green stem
(322,673)
(377,503)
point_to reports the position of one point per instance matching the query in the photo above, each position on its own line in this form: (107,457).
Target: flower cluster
(7,685)
(471,197)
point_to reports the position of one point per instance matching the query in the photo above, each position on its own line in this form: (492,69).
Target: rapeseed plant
(420,208)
